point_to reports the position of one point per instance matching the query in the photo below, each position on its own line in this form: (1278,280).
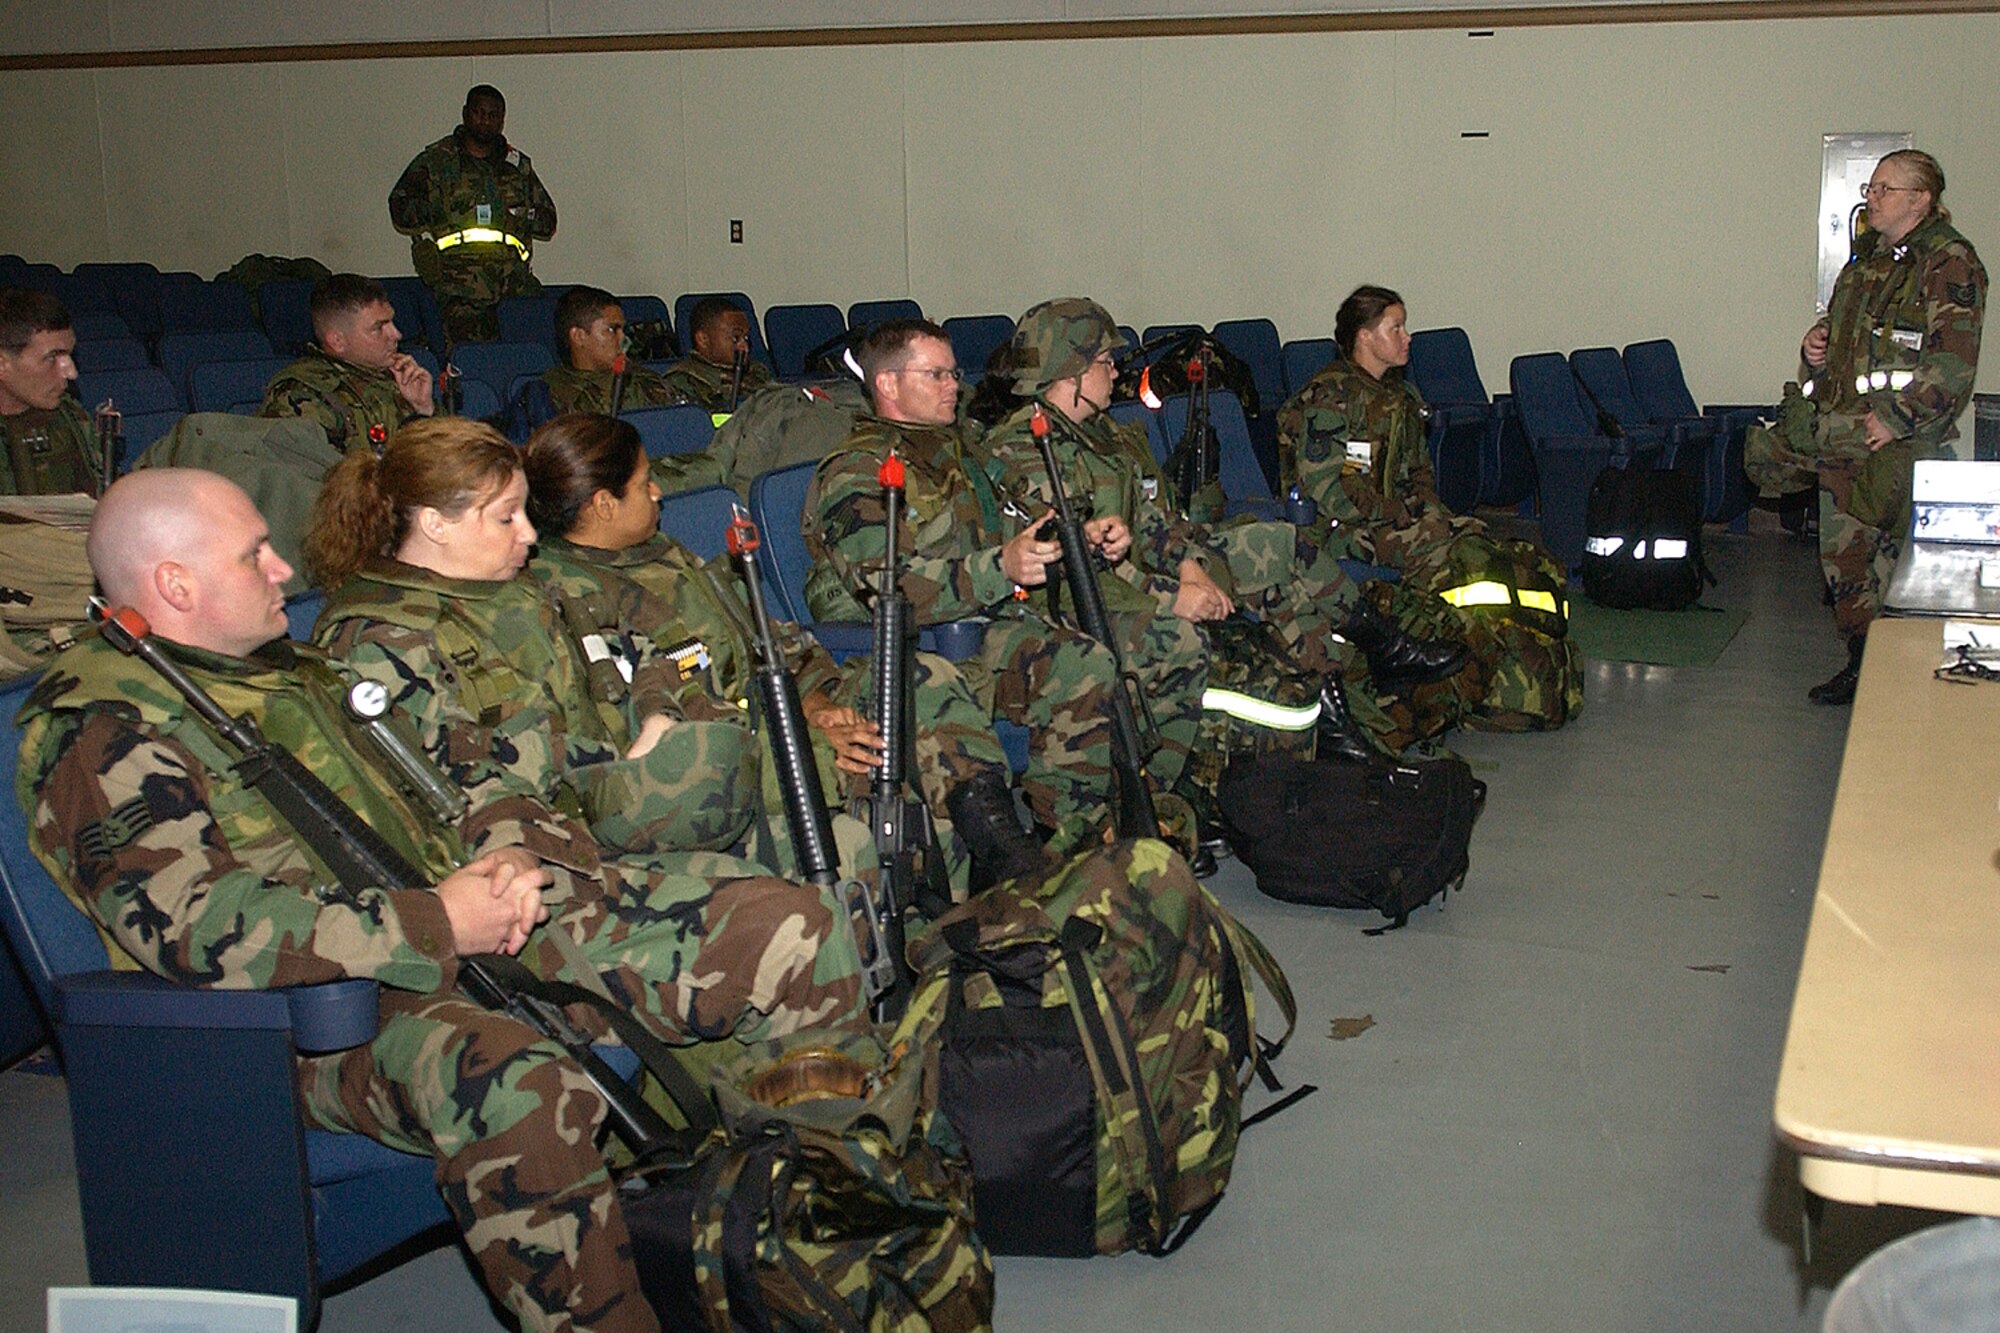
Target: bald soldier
(191,874)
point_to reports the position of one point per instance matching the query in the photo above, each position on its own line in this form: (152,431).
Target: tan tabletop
(1890,1085)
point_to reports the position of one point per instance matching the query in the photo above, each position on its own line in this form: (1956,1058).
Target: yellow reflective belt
(481,236)
(1486,592)
(1260,712)
(1535,598)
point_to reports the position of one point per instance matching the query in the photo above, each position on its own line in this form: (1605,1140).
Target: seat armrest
(329,1017)
(953,640)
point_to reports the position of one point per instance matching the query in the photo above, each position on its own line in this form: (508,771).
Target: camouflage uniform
(348,400)
(189,873)
(1387,501)
(1903,344)
(778,426)
(49,453)
(572,390)
(1053,681)
(446,192)
(488,674)
(704,382)
(662,636)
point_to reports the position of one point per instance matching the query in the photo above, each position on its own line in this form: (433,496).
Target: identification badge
(1911,340)
(689,658)
(1361,455)
(483,214)
(596,648)
(1150,487)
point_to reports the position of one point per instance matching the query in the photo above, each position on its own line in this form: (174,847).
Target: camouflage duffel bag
(1417,713)
(832,1196)
(1514,601)
(1092,1034)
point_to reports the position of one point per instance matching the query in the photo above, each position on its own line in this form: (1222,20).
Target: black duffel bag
(1385,834)
(1642,540)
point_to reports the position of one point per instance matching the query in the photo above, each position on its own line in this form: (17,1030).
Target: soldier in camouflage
(355,381)
(423,548)
(1354,439)
(961,563)
(590,330)
(664,632)
(1891,368)
(50,444)
(1182,574)
(719,371)
(473,209)
(139,814)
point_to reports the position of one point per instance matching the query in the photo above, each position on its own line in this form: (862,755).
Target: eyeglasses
(1876,187)
(1965,668)
(937,374)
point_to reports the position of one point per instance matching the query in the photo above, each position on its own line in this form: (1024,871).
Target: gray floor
(1561,1117)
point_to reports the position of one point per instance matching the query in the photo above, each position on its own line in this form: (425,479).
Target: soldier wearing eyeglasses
(1888,371)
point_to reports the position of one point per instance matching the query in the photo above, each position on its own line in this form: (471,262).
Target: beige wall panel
(350,128)
(609,16)
(1021,183)
(53,207)
(604,131)
(195,164)
(76,25)
(806,147)
(147,25)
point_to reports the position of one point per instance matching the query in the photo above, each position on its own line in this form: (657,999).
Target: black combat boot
(1397,659)
(1838,688)
(982,810)
(1341,737)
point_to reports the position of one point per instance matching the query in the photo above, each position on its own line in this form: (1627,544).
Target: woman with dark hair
(659,624)
(1354,439)
(422,551)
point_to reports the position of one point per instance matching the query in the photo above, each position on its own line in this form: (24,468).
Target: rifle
(449,388)
(806,814)
(110,424)
(739,361)
(1135,815)
(900,819)
(618,369)
(1195,463)
(359,857)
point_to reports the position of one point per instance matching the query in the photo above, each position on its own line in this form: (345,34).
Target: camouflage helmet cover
(1059,339)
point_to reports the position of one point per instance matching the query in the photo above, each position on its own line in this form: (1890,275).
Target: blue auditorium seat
(1654,369)
(1244,485)
(1465,419)
(1303,358)
(99,326)
(205,306)
(698,520)
(180,352)
(865,315)
(417,315)
(498,365)
(975,337)
(639,309)
(1568,450)
(683,428)
(532,319)
(218,386)
(140,389)
(1256,341)
(110,354)
(285,304)
(793,331)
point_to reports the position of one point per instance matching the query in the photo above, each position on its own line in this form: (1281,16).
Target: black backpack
(1642,540)
(1390,835)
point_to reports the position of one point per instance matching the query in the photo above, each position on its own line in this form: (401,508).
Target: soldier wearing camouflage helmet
(964,559)
(189,873)
(1890,369)
(355,381)
(473,209)
(1182,574)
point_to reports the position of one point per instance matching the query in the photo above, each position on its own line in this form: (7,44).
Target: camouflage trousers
(1056,684)
(511,1120)
(1294,580)
(694,790)
(469,288)
(1864,504)
(1169,656)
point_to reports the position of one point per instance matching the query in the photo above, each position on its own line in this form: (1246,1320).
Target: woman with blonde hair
(422,549)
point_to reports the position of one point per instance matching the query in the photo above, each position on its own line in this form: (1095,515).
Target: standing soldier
(354,381)
(47,445)
(1887,371)
(473,210)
